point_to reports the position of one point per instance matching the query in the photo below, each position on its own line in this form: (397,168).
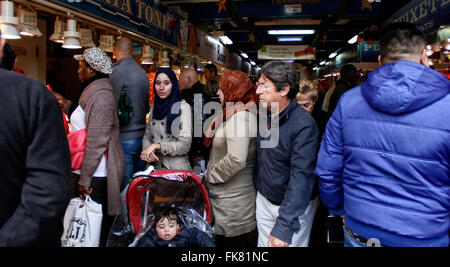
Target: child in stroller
(168,195)
(170,232)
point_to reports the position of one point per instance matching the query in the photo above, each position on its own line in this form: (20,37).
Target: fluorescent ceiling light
(212,40)
(315,68)
(353,40)
(253,63)
(224,39)
(323,63)
(287,32)
(290,39)
(244,55)
(332,55)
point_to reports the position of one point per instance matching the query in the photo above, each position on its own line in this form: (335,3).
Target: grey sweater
(127,74)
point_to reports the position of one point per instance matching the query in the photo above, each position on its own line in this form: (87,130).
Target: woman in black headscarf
(168,135)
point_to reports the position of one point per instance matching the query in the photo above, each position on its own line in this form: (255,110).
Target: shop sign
(212,49)
(290,9)
(370,51)
(428,15)
(285,52)
(145,16)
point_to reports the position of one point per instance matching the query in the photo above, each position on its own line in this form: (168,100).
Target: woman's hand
(84,191)
(148,154)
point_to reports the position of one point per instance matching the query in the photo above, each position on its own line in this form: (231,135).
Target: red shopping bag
(77,145)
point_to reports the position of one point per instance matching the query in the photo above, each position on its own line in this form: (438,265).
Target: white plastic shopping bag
(82,223)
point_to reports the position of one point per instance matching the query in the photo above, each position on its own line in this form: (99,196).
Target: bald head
(188,78)
(123,48)
(2,43)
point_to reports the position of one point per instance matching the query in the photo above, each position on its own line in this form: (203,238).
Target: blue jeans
(350,242)
(133,163)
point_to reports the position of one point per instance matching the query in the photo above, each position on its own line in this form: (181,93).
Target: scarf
(239,95)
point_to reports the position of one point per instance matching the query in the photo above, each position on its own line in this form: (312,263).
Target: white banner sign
(282,52)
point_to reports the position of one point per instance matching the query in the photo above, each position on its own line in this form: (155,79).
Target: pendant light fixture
(147,55)
(165,60)
(58,31)
(86,38)
(8,22)
(28,23)
(71,36)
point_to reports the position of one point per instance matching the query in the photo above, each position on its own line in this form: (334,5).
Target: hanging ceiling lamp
(71,36)
(106,43)
(8,22)
(86,38)
(58,32)
(147,55)
(28,23)
(165,60)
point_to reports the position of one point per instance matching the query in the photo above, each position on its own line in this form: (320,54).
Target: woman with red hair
(229,175)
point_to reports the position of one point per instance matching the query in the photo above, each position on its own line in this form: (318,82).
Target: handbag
(77,145)
(82,223)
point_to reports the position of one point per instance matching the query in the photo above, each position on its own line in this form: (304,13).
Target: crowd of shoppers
(280,154)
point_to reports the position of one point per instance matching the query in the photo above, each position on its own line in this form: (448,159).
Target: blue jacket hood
(403,87)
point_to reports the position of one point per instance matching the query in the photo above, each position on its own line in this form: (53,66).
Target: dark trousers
(100,195)
(319,229)
(248,240)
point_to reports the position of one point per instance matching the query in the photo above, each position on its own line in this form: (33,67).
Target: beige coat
(102,124)
(174,150)
(229,175)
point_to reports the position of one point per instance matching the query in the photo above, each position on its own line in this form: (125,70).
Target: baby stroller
(147,193)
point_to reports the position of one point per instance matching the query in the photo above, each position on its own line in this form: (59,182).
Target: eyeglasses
(265,87)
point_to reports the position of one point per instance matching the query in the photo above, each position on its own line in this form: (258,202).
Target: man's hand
(64,104)
(275,242)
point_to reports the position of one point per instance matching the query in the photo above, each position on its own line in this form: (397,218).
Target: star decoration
(251,37)
(221,5)
(366,4)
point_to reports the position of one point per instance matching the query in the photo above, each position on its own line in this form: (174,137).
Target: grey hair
(282,73)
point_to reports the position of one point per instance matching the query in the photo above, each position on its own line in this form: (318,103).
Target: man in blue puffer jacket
(384,158)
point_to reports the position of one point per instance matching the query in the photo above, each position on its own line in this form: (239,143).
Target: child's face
(167,229)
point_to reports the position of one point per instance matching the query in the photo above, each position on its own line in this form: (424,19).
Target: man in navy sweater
(285,204)
(35,173)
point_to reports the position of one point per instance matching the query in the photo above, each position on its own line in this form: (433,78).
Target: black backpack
(124,109)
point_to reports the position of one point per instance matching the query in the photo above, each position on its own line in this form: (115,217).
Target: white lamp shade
(8,21)
(9,32)
(147,56)
(71,43)
(58,31)
(165,60)
(71,36)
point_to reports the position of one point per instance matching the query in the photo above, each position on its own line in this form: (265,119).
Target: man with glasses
(285,203)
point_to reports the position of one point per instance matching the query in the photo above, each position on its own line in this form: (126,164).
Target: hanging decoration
(366,4)
(221,5)
(241,23)
(251,37)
